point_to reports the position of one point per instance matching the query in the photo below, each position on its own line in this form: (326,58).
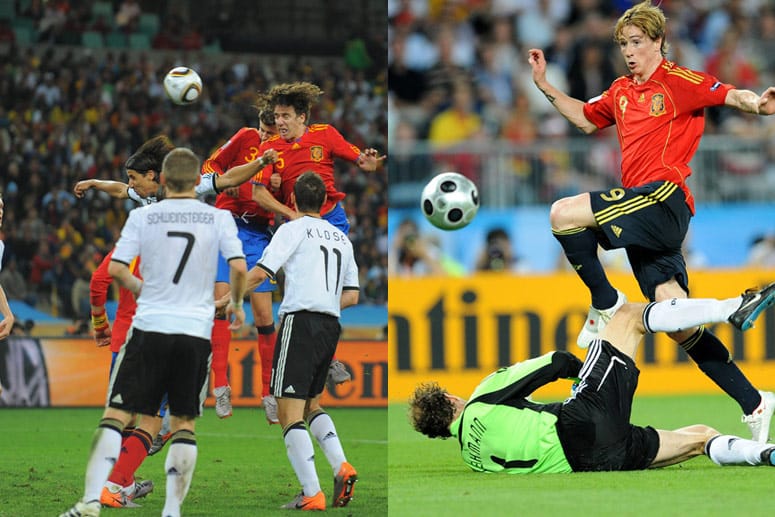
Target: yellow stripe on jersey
(570,231)
(684,73)
(133,266)
(610,213)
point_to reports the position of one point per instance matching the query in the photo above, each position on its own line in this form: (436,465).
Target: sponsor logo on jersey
(316,153)
(289,389)
(617,230)
(715,86)
(657,105)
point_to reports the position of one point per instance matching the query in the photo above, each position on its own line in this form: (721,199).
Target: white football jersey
(318,262)
(206,186)
(178,241)
(2,250)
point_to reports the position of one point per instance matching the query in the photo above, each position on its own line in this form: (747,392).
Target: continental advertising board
(43,372)
(457,330)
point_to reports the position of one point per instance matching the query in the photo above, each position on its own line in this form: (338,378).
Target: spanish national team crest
(657,105)
(316,153)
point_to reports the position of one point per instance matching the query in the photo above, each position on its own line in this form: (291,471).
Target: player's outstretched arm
(751,102)
(115,189)
(6,326)
(570,108)
(241,173)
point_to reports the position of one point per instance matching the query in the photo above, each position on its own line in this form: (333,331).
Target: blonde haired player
(658,111)
(168,348)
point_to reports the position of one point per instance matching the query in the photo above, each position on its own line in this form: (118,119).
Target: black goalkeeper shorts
(594,425)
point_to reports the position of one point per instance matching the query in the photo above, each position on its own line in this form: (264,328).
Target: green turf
(242,468)
(427,477)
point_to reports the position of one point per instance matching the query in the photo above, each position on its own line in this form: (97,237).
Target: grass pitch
(242,468)
(428,478)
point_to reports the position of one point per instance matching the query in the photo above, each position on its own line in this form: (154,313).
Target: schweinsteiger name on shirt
(180,217)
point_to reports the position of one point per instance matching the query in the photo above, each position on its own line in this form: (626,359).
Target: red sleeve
(696,90)
(100,283)
(599,110)
(262,177)
(340,147)
(222,159)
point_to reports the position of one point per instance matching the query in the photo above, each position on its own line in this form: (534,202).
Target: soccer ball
(450,201)
(182,85)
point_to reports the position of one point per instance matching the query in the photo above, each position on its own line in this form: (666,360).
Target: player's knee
(559,214)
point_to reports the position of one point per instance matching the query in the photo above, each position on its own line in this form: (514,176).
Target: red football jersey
(659,123)
(241,148)
(98,295)
(313,151)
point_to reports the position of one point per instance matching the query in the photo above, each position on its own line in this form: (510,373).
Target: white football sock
(179,465)
(683,313)
(323,429)
(733,450)
(301,454)
(104,452)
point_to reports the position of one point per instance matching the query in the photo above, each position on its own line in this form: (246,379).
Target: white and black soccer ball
(450,201)
(182,85)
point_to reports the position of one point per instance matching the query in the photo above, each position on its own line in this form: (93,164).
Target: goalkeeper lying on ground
(501,430)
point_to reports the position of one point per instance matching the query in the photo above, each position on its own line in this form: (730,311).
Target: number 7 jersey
(178,241)
(318,262)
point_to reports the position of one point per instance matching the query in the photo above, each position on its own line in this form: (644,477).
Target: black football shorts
(594,425)
(306,342)
(650,222)
(151,364)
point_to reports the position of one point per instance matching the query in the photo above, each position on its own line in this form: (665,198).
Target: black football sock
(714,360)
(580,246)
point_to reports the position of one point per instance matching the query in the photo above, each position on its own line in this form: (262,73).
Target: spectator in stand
(14,283)
(405,162)
(730,65)
(127,15)
(459,122)
(112,102)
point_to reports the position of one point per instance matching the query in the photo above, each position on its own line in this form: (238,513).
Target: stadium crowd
(459,81)
(69,113)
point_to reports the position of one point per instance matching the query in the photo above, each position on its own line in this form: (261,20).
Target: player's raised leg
(572,221)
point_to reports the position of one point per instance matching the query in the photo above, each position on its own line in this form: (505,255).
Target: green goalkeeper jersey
(502,430)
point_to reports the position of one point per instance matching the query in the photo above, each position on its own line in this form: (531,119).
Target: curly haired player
(501,430)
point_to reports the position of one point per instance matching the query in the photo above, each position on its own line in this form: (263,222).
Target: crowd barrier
(54,372)
(457,330)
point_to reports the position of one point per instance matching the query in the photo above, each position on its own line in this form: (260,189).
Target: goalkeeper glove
(101,328)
